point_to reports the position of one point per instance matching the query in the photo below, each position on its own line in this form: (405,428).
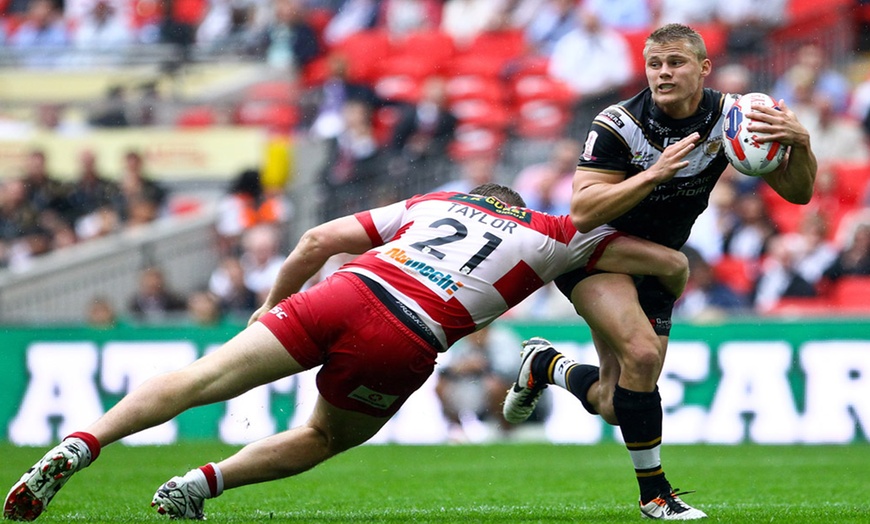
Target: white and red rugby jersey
(460,261)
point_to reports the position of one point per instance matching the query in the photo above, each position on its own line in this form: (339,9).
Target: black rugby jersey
(630,136)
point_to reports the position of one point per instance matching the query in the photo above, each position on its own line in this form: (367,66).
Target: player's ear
(706,67)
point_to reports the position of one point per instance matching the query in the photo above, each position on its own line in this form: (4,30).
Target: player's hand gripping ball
(745,153)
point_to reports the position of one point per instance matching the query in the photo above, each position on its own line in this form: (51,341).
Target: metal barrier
(59,287)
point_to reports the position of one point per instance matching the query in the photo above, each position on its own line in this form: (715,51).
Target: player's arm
(342,235)
(599,197)
(635,256)
(794,179)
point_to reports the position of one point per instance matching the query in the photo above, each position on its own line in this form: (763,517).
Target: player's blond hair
(670,33)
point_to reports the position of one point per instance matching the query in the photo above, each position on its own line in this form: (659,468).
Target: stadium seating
(851,294)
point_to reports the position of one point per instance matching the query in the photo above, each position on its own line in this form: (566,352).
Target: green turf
(479,484)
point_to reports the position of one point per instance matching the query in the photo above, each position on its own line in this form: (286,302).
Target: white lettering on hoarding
(686,362)
(62,389)
(754,400)
(754,385)
(837,390)
(126,365)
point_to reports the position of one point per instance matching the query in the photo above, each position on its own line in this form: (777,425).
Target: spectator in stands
(228,27)
(621,15)
(401,17)
(176,25)
(288,42)
(352,16)
(687,12)
(472,379)
(473,171)
(779,276)
(813,252)
(824,79)
(261,258)
(30,244)
(748,236)
(520,13)
(44,192)
(203,309)
(227,282)
(733,78)
(706,297)
(43,31)
(102,29)
(138,189)
(17,216)
(463,20)
(101,313)
(327,102)
(708,234)
(423,132)
(854,257)
(859,107)
(91,191)
(351,177)
(596,63)
(111,111)
(246,205)
(553,20)
(153,300)
(748,23)
(547,186)
(837,137)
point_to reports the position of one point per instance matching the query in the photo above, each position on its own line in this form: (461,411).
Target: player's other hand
(673,158)
(262,310)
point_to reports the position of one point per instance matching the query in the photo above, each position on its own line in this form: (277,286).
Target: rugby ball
(744,152)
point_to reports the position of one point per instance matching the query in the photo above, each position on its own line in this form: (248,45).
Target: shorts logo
(279,312)
(372,397)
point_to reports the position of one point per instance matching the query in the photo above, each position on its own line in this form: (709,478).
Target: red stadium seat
(364,50)
(737,273)
(852,181)
(275,117)
(851,294)
(482,113)
(475,87)
(803,306)
(399,88)
(433,46)
(541,87)
(197,116)
(490,53)
(473,140)
(273,91)
(541,119)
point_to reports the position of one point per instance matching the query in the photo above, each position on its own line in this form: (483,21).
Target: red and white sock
(90,442)
(208,477)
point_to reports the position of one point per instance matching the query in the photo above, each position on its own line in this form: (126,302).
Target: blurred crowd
(410,96)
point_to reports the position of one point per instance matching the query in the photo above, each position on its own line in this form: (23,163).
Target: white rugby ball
(744,152)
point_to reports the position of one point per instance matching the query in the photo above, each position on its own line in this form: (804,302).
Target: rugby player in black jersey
(647,169)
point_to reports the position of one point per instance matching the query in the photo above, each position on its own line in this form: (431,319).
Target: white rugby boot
(31,494)
(524,394)
(668,506)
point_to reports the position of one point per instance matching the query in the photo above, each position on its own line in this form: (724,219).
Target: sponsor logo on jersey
(495,205)
(372,397)
(642,159)
(589,146)
(613,116)
(440,279)
(712,147)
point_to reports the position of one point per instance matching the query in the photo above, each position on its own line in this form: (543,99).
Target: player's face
(676,78)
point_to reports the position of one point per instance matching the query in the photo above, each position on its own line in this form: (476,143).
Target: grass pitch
(501,483)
